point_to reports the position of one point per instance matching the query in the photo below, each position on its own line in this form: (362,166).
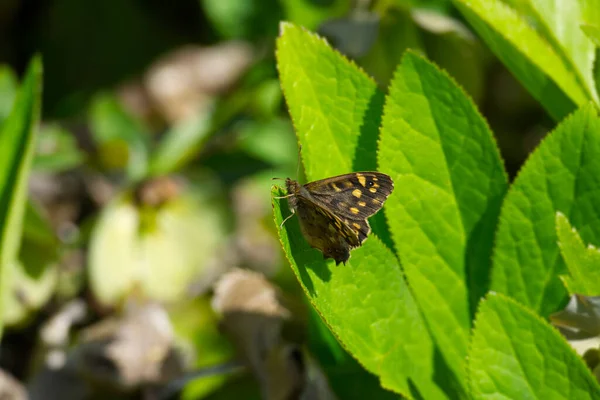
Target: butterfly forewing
(354,196)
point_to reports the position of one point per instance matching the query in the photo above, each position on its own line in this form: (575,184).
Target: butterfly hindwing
(324,231)
(322,217)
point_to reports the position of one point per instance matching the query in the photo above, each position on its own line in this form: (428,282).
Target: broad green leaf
(593,32)
(559,21)
(369,308)
(335,108)
(516,355)
(336,111)
(450,183)
(561,175)
(322,343)
(590,11)
(525,52)
(347,378)
(582,262)
(17,143)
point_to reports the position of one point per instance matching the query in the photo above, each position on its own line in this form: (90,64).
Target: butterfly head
(291,185)
(293,188)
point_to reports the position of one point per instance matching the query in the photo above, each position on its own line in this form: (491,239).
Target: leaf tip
(35,66)
(560,218)
(284,26)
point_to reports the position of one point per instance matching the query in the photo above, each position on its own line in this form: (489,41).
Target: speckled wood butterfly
(333,212)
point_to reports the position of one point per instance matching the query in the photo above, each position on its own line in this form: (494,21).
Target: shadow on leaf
(303,256)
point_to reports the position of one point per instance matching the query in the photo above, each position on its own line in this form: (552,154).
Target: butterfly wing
(366,191)
(318,220)
(354,197)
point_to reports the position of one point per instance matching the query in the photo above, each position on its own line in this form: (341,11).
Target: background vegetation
(138,250)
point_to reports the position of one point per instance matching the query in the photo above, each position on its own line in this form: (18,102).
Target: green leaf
(8,92)
(347,378)
(33,278)
(525,52)
(181,143)
(593,32)
(583,263)
(266,99)
(184,142)
(17,139)
(450,183)
(28,291)
(559,21)
(561,175)
(516,355)
(244,19)
(272,141)
(335,108)
(369,308)
(38,230)
(121,138)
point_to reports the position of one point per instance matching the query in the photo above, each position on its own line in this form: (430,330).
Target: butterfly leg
(283,197)
(288,217)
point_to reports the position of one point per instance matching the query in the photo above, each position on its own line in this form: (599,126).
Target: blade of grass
(16,154)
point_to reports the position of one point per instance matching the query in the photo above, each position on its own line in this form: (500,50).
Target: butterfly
(333,212)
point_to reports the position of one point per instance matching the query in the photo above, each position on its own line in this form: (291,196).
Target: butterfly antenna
(288,217)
